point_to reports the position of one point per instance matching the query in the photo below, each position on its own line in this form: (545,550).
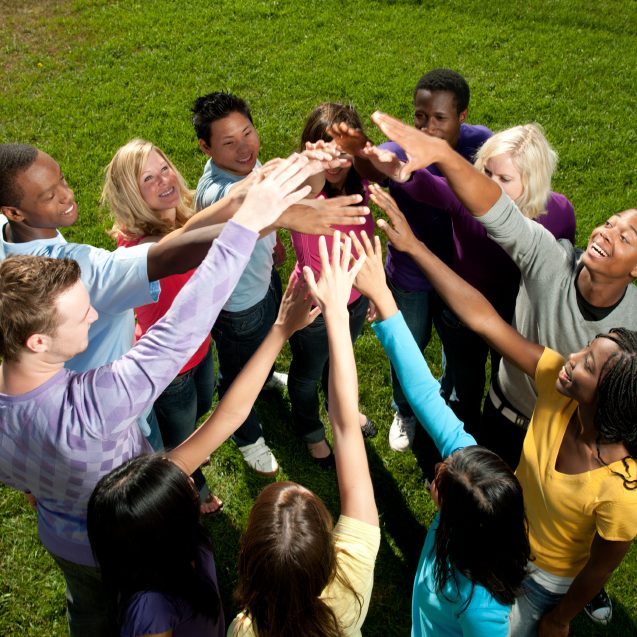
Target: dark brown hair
(29,287)
(316,127)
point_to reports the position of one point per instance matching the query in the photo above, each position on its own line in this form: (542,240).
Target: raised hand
(386,162)
(295,311)
(422,149)
(371,280)
(350,140)
(398,230)
(327,153)
(332,291)
(317,216)
(271,194)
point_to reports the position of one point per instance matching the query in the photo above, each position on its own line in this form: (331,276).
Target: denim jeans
(237,336)
(415,307)
(532,604)
(463,378)
(182,403)
(310,364)
(89,608)
(154,437)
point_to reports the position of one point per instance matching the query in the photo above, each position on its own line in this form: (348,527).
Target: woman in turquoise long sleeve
(475,554)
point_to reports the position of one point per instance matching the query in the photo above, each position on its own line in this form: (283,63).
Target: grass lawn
(82,77)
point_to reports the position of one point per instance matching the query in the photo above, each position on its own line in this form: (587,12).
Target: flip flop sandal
(211,500)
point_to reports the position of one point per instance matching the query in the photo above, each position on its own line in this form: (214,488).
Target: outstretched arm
(354,142)
(476,191)
(465,301)
(294,314)
(183,251)
(331,293)
(421,388)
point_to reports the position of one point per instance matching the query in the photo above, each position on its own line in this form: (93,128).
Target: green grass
(82,77)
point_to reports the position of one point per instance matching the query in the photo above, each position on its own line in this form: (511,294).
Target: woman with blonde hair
(149,199)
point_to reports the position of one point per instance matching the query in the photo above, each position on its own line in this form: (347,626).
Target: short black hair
(446,80)
(215,106)
(14,159)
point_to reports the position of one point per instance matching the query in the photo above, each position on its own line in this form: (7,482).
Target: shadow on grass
(402,534)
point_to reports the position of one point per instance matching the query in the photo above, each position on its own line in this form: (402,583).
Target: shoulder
(558,201)
(472,136)
(356,540)
(241,626)
(548,367)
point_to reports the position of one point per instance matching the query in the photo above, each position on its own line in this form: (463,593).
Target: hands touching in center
(274,190)
(422,149)
(353,141)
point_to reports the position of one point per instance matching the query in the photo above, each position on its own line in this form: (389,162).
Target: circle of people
(536,492)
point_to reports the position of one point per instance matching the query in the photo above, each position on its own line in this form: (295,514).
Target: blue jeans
(415,308)
(182,404)
(532,604)
(237,336)
(310,365)
(154,437)
(90,609)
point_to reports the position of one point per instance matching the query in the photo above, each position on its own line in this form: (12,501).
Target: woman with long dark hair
(310,365)
(475,554)
(144,519)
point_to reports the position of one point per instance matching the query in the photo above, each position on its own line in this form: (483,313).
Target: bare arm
(260,209)
(604,558)
(178,253)
(331,294)
(235,406)
(476,191)
(466,302)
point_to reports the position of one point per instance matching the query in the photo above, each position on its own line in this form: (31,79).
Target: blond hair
(120,193)
(533,157)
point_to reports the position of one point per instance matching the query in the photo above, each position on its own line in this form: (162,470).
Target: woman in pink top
(149,199)
(310,362)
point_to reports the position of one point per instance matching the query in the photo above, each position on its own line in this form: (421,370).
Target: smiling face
(76,314)
(47,202)
(233,144)
(337,176)
(158,185)
(435,113)
(612,247)
(504,172)
(580,376)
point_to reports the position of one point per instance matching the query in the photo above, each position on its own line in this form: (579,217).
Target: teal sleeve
(421,389)
(491,620)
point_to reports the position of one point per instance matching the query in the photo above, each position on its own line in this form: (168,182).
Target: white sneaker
(259,457)
(278,380)
(402,432)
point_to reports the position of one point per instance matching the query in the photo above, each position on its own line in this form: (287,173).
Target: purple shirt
(476,258)
(59,439)
(430,224)
(152,612)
